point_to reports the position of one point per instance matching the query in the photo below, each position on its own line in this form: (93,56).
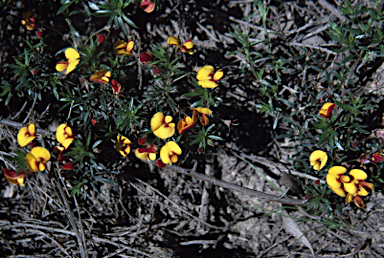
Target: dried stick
(234,187)
(20,125)
(30,111)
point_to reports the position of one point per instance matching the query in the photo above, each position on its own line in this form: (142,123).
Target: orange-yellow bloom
(73,58)
(318,159)
(326,110)
(64,135)
(161,126)
(121,47)
(37,159)
(147,6)
(185,48)
(207,78)
(26,135)
(101,77)
(201,114)
(335,179)
(368,187)
(169,152)
(116,87)
(28,20)
(148,153)
(11,176)
(185,124)
(123,145)
(357,181)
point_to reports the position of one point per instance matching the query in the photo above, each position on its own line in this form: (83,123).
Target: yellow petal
(157,121)
(349,198)
(207,84)
(130,46)
(72,65)
(340,192)
(205,73)
(337,170)
(31,162)
(218,75)
(188,45)
(142,156)
(174,147)
(203,110)
(317,155)
(24,137)
(67,142)
(41,154)
(60,133)
(71,54)
(358,174)
(119,47)
(362,192)
(61,66)
(333,182)
(164,132)
(168,119)
(164,154)
(172,40)
(350,187)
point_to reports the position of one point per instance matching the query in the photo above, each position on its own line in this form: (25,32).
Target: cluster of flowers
(38,157)
(163,128)
(351,186)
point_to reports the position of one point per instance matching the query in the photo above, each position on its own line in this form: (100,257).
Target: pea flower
(356,197)
(169,152)
(28,20)
(68,166)
(116,87)
(14,178)
(101,77)
(326,110)
(185,124)
(201,114)
(148,153)
(147,6)
(185,48)
(335,179)
(123,145)
(73,58)
(37,159)
(207,78)
(26,135)
(64,135)
(318,159)
(357,181)
(161,126)
(121,47)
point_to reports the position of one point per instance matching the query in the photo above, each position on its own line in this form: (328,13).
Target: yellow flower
(185,48)
(148,153)
(123,145)
(73,58)
(121,47)
(64,135)
(326,110)
(335,178)
(363,192)
(318,159)
(169,152)
(207,78)
(185,124)
(26,135)
(201,114)
(11,176)
(28,20)
(101,77)
(37,159)
(357,181)
(161,126)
